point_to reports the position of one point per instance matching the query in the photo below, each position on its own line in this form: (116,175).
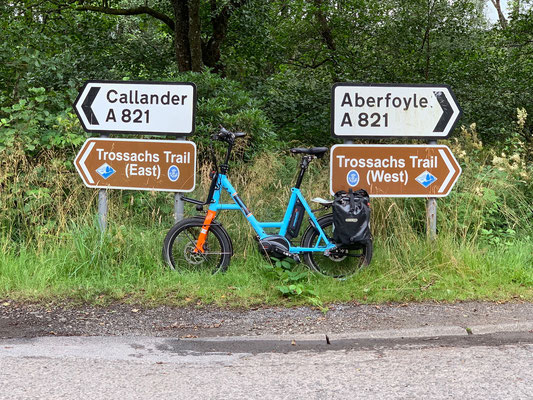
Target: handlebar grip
(223,134)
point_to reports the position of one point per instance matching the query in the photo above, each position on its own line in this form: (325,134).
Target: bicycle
(201,242)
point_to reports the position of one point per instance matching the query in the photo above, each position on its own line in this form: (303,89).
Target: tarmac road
(435,362)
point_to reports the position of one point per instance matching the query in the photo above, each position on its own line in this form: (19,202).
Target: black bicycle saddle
(315,151)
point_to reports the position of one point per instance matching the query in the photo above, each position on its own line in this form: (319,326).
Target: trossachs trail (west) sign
(385,110)
(394,170)
(162,165)
(161,108)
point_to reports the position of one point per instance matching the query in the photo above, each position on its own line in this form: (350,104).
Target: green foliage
(225,102)
(294,282)
(493,196)
(303,47)
(298,102)
(41,120)
(285,56)
(281,59)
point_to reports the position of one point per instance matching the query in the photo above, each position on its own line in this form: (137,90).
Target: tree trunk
(190,51)
(219,23)
(181,35)
(323,25)
(327,36)
(195,39)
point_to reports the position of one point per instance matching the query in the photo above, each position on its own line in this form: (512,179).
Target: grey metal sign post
(102,204)
(431,212)
(179,206)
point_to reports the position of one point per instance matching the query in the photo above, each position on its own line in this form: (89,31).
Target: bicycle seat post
(224,167)
(303,167)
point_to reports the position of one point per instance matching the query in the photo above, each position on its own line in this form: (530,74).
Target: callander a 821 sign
(164,108)
(376,110)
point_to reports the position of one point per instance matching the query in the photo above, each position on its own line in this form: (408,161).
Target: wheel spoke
(341,262)
(181,252)
(192,241)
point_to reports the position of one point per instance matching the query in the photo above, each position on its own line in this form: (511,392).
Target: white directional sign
(166,108)
(376,110)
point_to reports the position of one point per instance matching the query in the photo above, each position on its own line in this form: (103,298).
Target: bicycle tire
(180,243)
(341,263)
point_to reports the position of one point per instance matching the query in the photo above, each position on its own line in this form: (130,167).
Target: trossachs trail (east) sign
(162,165)
(161,108)
(394,170)
(384,110)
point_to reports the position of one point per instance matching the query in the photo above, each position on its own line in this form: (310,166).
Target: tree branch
(501,17)
(323,25)
(131,11)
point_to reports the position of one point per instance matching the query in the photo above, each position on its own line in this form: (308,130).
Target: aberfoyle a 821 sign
(379,110)
(162,108)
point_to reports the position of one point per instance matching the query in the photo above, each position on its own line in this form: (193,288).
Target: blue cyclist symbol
(173,173)
(352,178)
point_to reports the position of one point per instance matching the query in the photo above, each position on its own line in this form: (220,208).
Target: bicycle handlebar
(227,136)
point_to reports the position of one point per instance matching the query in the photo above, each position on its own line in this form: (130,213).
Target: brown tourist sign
(394,170)
(162,165)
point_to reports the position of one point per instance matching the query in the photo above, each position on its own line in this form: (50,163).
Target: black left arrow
(87,103)
(447,112)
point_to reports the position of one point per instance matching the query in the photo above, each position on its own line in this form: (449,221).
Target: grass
(125,266)
(51,250)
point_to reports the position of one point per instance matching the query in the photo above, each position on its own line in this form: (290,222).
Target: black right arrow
(447,112)
(87,103)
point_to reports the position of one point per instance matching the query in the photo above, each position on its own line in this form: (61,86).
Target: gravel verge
(20,320)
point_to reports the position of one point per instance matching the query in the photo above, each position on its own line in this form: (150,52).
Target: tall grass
(124,265)
(50,247)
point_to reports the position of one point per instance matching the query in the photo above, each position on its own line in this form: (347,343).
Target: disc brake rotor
(193,257)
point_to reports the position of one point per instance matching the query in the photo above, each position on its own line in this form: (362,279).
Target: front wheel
(180,251)
(341,262)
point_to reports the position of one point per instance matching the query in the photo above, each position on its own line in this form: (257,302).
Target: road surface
(435,362)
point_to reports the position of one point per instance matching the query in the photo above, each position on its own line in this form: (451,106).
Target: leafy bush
(225,102)
(42,120)
(298,103)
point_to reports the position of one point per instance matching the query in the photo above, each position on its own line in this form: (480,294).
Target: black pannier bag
(351,217)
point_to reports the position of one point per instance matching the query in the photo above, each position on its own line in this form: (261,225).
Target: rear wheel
(180,252)
(342,262)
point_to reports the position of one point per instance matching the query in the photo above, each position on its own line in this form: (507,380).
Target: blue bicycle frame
(259,227)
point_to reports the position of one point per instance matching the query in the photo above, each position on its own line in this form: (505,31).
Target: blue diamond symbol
(105,171)
(425,179)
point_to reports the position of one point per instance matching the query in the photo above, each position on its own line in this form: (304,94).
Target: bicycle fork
(199,248)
